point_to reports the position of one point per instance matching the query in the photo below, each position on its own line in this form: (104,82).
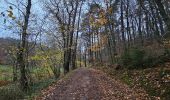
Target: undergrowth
(13,91)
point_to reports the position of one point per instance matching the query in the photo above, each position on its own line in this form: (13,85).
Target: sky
(2,9)
(36,8)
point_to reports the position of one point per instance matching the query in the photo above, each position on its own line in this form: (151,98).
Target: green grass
(37,73)
(35,88)
(41,78)
(13,92)
(6,73)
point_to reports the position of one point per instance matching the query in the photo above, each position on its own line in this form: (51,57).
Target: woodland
(85,49)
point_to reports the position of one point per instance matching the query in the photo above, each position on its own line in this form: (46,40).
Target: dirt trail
(89,84)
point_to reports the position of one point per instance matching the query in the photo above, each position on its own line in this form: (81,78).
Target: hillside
(6,44)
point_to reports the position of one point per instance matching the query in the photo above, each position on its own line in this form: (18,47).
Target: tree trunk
(22,50)
(122,26)
(164,15)
(75,47)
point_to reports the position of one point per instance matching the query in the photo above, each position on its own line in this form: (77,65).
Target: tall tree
(66,14)
(22,58)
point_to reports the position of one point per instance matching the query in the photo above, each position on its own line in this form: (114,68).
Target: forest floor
(89,84)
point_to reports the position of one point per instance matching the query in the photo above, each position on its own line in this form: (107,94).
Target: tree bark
(22,50)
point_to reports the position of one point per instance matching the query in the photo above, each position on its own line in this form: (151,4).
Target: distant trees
(98,32)
(129,24)
(109,29)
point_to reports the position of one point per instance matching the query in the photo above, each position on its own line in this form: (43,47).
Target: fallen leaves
(89,84)
(151,82)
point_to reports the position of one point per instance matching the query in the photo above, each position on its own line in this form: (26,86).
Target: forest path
(89,84)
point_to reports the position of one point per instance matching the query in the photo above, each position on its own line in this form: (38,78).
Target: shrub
(133,58)
(140,58)
(41,73)
(151,61)
(137,57)
(125,59)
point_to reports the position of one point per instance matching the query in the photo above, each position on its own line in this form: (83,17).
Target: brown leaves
(102,21)
(110,10)
(99,20)
(3,82)
(100,44)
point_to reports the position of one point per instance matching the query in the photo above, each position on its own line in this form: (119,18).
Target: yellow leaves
(92,20)
(95,47)
(102,18)
(102,21)
(10,13)
(22,49)
(47,58)
(62,28)
(102,14)
(98,22)
(12,50)
(13,17)
(103,39)
(110,10)
(36,57)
